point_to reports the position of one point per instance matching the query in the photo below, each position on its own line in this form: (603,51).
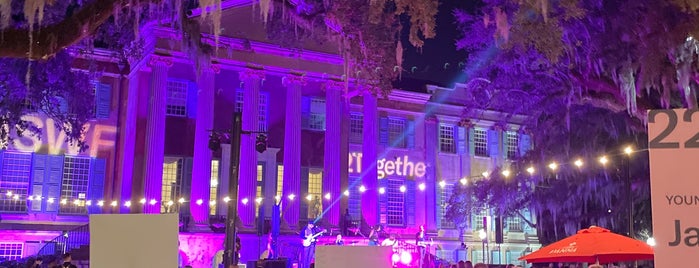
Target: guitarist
(310,250)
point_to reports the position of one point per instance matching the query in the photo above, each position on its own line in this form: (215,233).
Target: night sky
(436,52)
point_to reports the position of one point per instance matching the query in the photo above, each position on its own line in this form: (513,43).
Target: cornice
(408,96)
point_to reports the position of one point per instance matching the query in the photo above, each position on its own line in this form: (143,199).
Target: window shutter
(383,131)
(192,97)
(471,141)
(301,197)
(383,201)
(493,143)
(103,100)
(37,182)
(305,112)
(52,181)
(504,145)
(461,140)
(524,144)
(410,136)
(410,202)
(98,168)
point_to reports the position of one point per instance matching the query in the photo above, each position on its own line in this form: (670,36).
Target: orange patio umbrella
(593,245)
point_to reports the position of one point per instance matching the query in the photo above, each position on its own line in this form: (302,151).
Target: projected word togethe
(52,141)
(399,166)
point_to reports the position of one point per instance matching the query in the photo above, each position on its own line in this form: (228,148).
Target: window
(258,189)
(213,192)
(14,179)
(512,144)
(396,132)
(395,207)
(177,98)
(10,250)
(261,110)
(478,220)
(355,202)
(172,180)
(315,117)
(74,185)
(480,142)
(446,139)
(280,179)
(356,126)
(445,193)
(315,192)
(514,224)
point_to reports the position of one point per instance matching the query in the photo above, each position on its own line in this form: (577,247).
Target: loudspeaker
(280,263)
(498,231)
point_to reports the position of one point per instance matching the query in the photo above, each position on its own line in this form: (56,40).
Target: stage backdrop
(133,240)
(674,157)
(353,257)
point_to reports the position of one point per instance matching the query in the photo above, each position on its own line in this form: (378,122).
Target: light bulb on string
(258,200)
(199,202)
(170,203)
(506,173)
(628,150)
(309,197)
(553,166)
(327,196)
(142,201)
(245,201)
(382,190)
(463,181)
(603,160)
(181,200)
(127,204)
(226,199)
(530,170)
(442,184)
(346,193)
(421,186)
(578,163)
(153,201)
(402,189)
(114,203)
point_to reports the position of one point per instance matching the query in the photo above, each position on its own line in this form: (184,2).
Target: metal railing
(67,241)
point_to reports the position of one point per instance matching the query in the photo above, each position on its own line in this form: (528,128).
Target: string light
(278,198)
(181,200)
(170,203)
(212,203)
(506,173)
(442,184)
(245,201)
(114,203)
(578,163)
(402,189)
(199,202)
(100,203)
(362,189)
(327,196)
(153,201)
(628,150)
(258,200)
(382,190)
(292,196)
(64,201)
(309,197)
(553,166)
(226,199)
(127,204)
(463,181)
(421,186)
(76,202)
(143,201)
(603,160)
(485,174)
(530,170)
(346,193)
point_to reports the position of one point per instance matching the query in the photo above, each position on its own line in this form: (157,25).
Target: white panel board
(133,240)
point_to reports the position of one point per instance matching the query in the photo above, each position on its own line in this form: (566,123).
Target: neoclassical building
(332,145)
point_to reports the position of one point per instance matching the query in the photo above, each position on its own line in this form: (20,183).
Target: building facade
(331,146)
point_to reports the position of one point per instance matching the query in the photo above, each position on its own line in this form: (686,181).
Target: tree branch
(49,40)
(531,224)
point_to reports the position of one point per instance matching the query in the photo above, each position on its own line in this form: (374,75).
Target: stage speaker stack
(499,239)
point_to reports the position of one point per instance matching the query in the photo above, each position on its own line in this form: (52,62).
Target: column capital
(502,126)
(160,61)
(249,74)
(332,84)
(431,119)
(465,122)
(294,79)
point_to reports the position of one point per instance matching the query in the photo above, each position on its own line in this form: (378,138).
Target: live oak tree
(36,34)
(585,72)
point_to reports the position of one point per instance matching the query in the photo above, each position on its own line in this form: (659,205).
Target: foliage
(368,35)
(54,89)
(585,72)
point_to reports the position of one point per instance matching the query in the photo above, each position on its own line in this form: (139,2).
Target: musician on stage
(374,235)
(339,241)
(310,250)
(420,241)
(391,241)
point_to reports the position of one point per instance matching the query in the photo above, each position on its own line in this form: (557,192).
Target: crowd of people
(63,261)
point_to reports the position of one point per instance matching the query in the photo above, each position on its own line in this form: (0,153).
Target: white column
(292,151)
(155,131)
(333,150)
(252,81)
(201,166)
